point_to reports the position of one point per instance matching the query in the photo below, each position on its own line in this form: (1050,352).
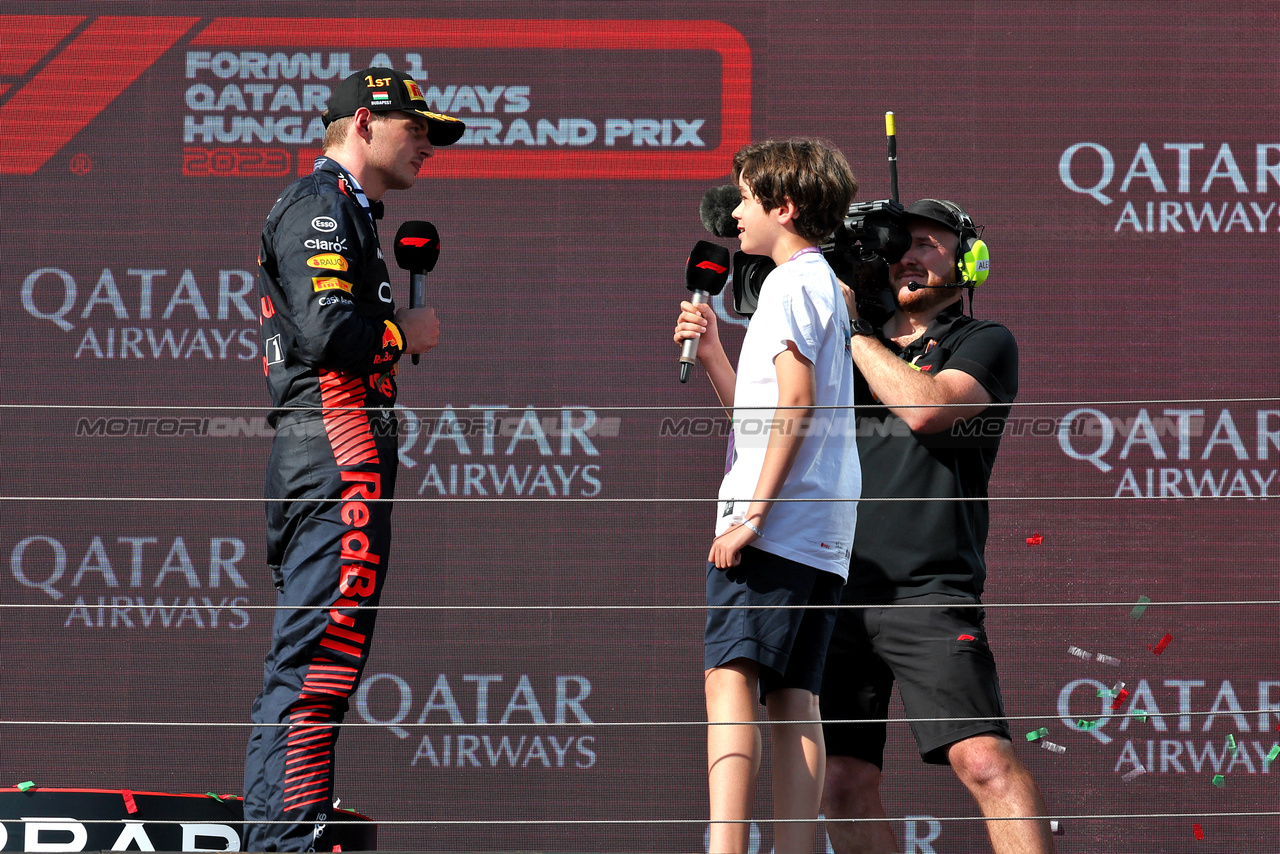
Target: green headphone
(973,259)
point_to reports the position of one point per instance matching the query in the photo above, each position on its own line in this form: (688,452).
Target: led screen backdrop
(541,661)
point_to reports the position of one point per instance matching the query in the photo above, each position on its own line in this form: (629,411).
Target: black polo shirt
(911,548)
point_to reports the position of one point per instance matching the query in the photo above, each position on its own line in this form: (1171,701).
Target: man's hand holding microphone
(417,250)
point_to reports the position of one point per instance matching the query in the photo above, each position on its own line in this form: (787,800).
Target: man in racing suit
(331,338)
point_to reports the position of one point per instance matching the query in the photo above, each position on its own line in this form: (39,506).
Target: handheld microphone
(417,250)
(716,210)
(705,273)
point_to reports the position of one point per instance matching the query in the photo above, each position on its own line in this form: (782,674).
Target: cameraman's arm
(924,401)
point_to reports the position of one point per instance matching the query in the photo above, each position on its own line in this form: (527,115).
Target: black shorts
(942,664)
(789,644)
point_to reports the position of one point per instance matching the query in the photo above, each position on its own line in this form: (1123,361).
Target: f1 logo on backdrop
(99,58)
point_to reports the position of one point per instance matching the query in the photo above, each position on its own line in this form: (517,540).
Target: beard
(925,299)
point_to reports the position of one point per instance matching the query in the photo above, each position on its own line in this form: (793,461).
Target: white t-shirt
(800,302)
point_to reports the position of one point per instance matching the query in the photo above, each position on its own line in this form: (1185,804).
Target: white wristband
(746,523)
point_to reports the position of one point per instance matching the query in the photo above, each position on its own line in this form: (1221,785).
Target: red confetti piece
(1198,830)
(1160,647)
(129,805)
(1119,700)
(1035,540)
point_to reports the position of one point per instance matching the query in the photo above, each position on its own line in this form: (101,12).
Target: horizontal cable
(528,499)
(616,607)
(654,724)
(613,408)
(605,822)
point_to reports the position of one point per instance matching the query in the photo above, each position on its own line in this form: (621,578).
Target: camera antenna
(893,155)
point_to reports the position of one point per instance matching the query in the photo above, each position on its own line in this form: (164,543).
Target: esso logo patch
(324,223)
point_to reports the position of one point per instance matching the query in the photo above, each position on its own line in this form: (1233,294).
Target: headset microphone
(417,250)
(705,274)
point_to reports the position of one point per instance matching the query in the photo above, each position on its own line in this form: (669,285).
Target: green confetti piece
(1106,693)
(1037,733)
(1275,751)
(1231,741)
(217,798)
(22,787)
(1219,780)
(1086,725)
(1140,608)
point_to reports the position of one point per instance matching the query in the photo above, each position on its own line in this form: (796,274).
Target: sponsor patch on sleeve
(330,283)
(391,336)
(327,261)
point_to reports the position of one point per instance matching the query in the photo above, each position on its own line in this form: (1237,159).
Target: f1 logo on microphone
(416,242)
(712,266)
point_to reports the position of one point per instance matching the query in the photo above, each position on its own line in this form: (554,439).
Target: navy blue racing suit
(330,349)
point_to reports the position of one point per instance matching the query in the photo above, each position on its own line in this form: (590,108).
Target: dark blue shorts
(943,666)
(789,643)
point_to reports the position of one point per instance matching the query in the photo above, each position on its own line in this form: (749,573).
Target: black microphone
(417,250)
(716,210)
(913,286)
(705,273)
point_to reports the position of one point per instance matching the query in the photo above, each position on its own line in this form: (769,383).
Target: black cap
(944,213)
(383,90)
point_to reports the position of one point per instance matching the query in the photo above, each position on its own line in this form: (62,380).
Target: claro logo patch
(330,283)
(327,261)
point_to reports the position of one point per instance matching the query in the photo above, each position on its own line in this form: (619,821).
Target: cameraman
(935,387)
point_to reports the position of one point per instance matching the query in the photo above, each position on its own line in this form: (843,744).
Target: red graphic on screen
(102,61)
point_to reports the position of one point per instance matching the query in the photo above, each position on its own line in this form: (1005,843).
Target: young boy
(786,444)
